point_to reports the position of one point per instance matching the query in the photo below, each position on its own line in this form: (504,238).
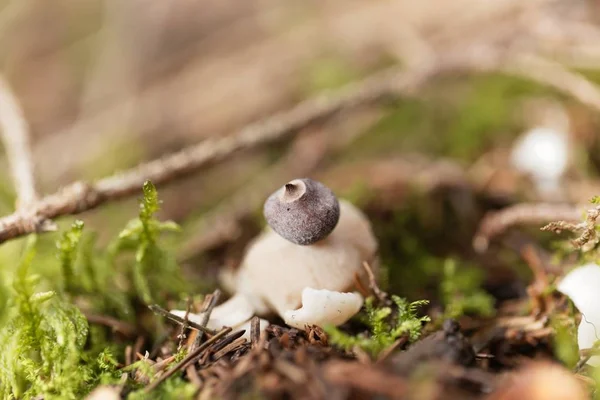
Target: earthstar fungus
(304,265)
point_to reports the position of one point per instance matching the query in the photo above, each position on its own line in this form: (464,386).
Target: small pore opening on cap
(292,191)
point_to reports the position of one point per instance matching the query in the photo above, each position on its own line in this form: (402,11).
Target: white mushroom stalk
(303,267)
(582,285)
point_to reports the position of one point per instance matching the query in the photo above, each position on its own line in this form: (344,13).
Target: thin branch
(116,325)
(222,224)
(588,237)
(226,342)
(184,327)
(15,136)
(380,294)
(277,127)
(214,299)
(235,345)
(554,74)
(254,331)
(496,223)
(81,196)
(190,359)
(161,311)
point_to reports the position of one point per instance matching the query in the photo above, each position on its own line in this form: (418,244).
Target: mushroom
(581,286)
(304,263)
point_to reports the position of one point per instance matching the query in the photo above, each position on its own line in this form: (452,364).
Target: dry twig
(223,223)
(235,344)
(15,136)
(116,325)
(81,196)
(380,294)
(541,302)
(190,359)
(554,74)
(161,311)
(496,223)
(255,331)
(225,343)
(214,299)
(588,237)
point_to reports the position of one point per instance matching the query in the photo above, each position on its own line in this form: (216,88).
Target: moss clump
(49,349)
(43,342)
(385,326)
(67,247)
(565,339)
(153,269)
(461,292)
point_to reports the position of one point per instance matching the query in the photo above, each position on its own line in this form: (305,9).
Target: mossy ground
(50,286)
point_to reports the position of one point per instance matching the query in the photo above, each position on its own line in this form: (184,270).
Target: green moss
(385,326)
(154,270)
(174,388)
(461,292)
(418,249)
(67,252)
(565,340)
(49,350)
(43,342)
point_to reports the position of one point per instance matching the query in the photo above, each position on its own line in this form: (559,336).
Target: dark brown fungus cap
(303,211)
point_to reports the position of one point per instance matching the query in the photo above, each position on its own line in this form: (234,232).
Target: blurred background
(105,85)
